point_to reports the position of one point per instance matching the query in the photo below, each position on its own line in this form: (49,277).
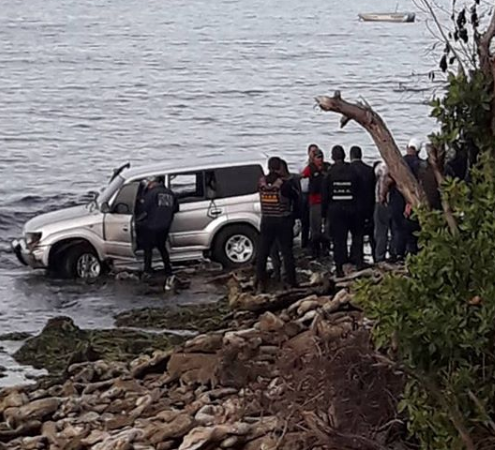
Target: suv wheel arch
(63,257)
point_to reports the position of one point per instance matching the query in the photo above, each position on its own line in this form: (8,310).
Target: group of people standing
(335,201)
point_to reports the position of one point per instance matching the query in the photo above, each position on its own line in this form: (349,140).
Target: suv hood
(38,222)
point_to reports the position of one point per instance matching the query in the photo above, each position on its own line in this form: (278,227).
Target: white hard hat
(415,143)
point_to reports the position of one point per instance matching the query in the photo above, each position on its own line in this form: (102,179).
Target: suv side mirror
(210,194)
(105,208)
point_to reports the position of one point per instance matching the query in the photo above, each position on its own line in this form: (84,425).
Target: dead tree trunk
(376,127)
(487,61)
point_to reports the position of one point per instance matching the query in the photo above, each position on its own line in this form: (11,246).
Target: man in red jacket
(315,172)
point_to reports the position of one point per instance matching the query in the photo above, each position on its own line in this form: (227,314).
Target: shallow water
(87,85)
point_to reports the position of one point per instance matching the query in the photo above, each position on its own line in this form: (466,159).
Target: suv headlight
(32,239)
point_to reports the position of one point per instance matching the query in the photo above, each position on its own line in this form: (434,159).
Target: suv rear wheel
(235,246)
(81,261)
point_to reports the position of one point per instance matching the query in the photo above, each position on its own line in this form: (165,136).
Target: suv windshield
(110,190)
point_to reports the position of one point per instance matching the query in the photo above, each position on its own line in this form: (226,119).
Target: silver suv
(219,217)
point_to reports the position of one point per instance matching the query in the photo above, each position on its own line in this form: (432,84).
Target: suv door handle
(215,212)
(126,229)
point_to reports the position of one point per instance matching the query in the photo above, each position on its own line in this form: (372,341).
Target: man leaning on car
(157,213)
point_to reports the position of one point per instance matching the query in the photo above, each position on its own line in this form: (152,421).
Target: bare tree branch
(445,38)
(487,60)
(376,127)
(433,159)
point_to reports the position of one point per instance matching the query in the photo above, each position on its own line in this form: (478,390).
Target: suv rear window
(237,181)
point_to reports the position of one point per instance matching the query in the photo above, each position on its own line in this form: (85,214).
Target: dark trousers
(305,220)
(398,226)
(369,230)
(382,220)
(357,229)
(276,261)
(274,229)
(404,237)
(151,239)
(341,221)
(411,227)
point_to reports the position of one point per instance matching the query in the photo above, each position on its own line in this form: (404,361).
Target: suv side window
(188,187)
(125,199)
(237,181)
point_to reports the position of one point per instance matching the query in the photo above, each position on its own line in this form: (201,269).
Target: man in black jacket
(365,204)
(158,209)
(277,197)
(339,194)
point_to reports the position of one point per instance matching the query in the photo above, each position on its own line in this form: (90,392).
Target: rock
(308,317)
(231,441)
(200,436)
(262,443)
(156,364)
(33,443)
(177,428)
(209,414)
(15,336)
(341,298)
(302,343)
(14,398)
(27,428)
(120,441)
(199,368)
(118,422)
(248,302)
(37,410)
(293,308)
(167,445)
(94,437)
(270,322)
(49,430)
(204,343)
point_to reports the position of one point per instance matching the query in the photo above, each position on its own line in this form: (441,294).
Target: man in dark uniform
(339,204)
(365,204)
(158,209)
(277,196)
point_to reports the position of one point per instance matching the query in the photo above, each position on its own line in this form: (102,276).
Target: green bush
(439,321)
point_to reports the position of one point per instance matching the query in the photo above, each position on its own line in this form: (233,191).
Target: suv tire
(235,246)
(81,261)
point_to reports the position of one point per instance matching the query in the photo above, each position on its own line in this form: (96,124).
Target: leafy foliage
(439,322)
(443,317)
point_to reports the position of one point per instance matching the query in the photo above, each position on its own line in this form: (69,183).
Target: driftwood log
(376,127)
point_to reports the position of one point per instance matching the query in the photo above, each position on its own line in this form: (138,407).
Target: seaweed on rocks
(62,343)
(200,318)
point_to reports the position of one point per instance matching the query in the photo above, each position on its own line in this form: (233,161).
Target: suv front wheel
(81,261)
(235,246)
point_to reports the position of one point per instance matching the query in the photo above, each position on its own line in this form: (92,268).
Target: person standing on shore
(365,204)
(277,198)
(305,212)
(339,196)
(315,172)
(382,216)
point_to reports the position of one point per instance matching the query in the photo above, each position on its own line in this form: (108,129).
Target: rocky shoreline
(288,370)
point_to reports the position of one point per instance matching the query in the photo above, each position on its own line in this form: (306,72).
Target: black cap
(318,154)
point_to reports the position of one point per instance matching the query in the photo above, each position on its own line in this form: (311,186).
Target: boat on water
(388,17)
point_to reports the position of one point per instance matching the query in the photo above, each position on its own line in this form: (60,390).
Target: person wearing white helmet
(412,155)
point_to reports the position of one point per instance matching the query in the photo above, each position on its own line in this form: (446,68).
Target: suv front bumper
(24,255)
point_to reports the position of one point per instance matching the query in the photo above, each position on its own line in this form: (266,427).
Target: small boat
(388,17)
